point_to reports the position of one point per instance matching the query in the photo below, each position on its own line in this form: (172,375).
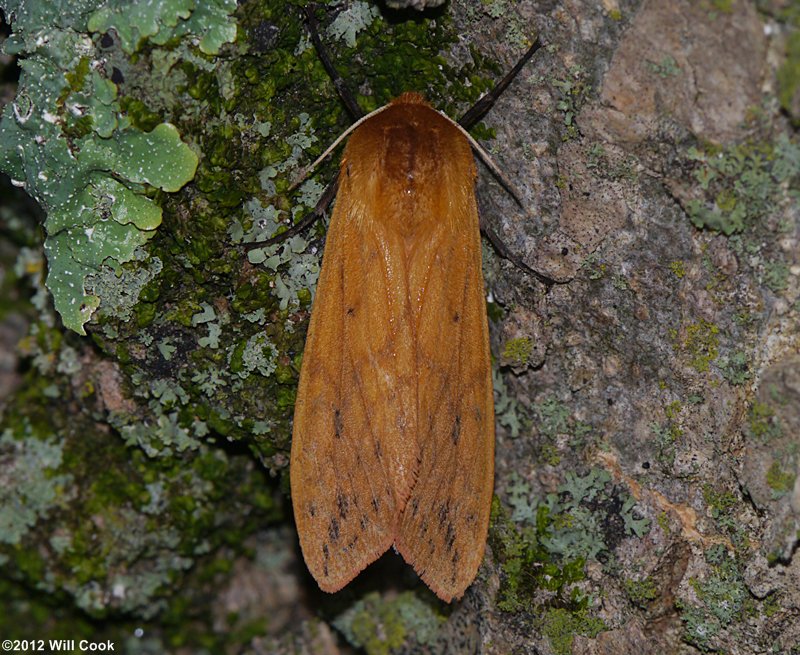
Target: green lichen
(723,6)
(507,410)
(735,368)
(780,480)
(527,566)
(701,344)
(763,425)
(722,505)
(776,275)
(742,184)
(641,592)
(561,625)
(31,481)
(164,21)
(545,543)
(573,91)
(553,417)
(381,625)
(518,350)
(121,290)
(356,18)
(595,269)
(678,269)
(65,140)
(722,596)
(666,67)
(667,435)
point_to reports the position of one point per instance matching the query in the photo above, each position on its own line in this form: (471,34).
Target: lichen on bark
(647,460)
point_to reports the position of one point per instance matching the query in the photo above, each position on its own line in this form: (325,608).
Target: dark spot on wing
(333,530)
(312,510)
(414,508)
(454,559)
(351,311)
(363,522)
(456,317)
(325,557)
(456,433)
(450,537)
(342,504)
(443,513)
(376,504)
(338,424)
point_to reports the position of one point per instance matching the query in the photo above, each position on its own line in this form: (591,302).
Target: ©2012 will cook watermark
(56,646)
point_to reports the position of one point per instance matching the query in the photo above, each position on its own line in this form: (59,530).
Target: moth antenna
(494,168)
(485,102)
(341,87)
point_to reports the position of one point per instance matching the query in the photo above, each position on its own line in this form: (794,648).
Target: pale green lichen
(779,480)
(735,368)
(721,595)
(119,290)
(745,183)
(380,625)
(666,67)
(356,18)
(575,529)
(507,409)
(164,438)
(553,417)
(257,355)
(30,482)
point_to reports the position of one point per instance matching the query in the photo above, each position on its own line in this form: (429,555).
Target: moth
(393,438)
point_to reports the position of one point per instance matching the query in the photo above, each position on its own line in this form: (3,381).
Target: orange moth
(393,441)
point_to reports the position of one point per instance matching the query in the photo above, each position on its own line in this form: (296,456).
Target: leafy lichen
(159,22)
(380,625)
(721,596)
(545,543)
(66,141)
(31,481)
(742,184)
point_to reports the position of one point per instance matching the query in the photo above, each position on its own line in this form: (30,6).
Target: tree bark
(647,401)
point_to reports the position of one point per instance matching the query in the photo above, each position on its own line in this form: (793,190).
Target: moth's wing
(353,446)
(444,523)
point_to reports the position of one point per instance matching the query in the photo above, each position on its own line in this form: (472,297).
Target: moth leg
(485,102)
(307,221)
(503,250)
(341,88)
